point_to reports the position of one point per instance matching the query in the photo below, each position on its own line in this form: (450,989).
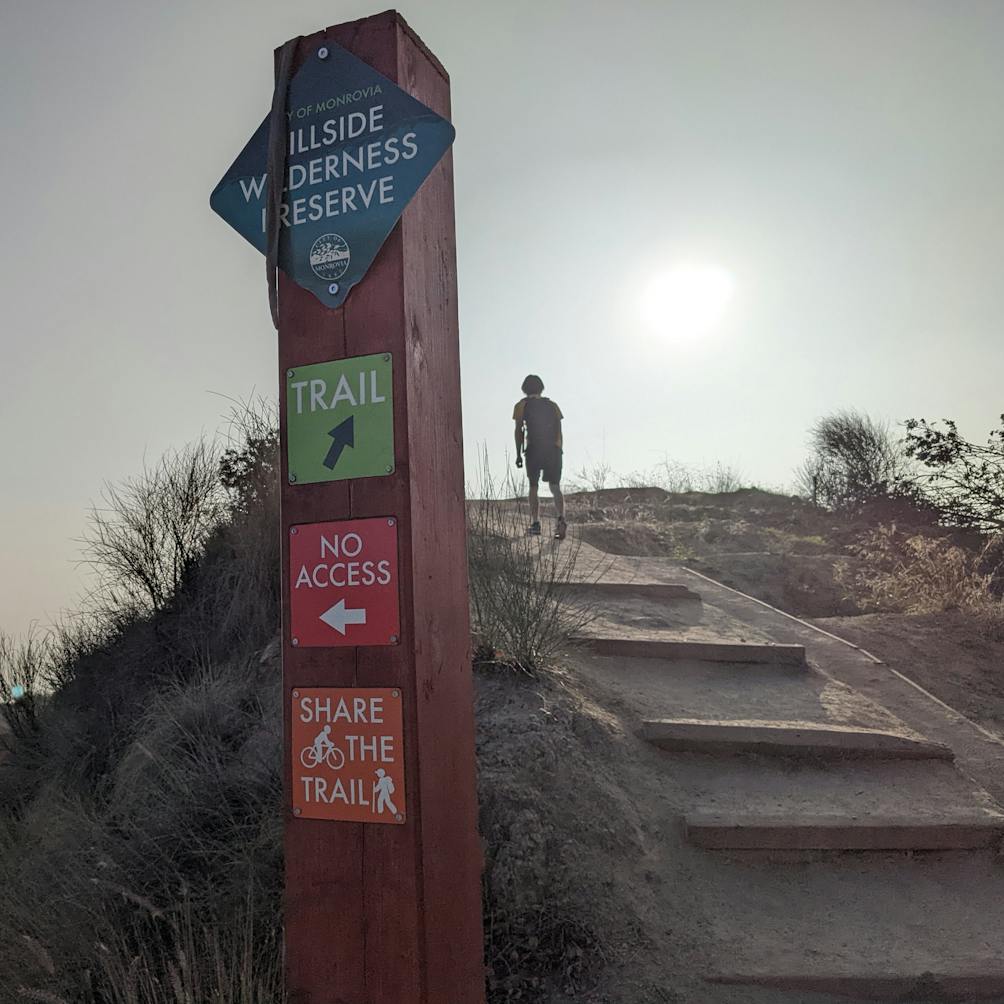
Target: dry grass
(168,957)
(522,610)
(174,959)
(670,475)
(140,831)
(140,800)
(919,574)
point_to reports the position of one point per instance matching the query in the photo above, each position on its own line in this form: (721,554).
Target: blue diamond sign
(358,149)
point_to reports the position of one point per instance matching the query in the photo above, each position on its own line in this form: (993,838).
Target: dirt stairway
(854,842)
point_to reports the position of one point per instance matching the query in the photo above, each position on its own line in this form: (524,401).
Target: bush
(592,478)
(854,460)
(21,678)
(922,574)
(523,609)
(189,813)
(964,480)
(140,801)
(170,958)
(167,957)
(151,530)
(670,475)
(143,778)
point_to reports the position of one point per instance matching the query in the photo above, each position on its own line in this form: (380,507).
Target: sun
(686,301)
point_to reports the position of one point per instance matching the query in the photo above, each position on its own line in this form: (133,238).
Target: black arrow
(342,435)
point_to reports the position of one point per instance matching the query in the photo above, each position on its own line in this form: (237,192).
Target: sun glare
(686,301)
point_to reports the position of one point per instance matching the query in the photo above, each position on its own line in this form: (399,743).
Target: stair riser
(808,751)
(662,593)
(913,987)
(791,740)
(921,838)
(774,655)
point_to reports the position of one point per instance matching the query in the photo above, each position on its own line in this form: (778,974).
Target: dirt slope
(876,924)
(943,652)
(783,550)
(592,878)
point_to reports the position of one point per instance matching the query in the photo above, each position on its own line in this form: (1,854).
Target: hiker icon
(383,788)
(323,750)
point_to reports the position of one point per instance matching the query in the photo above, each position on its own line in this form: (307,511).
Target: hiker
(538,435)
(383,788)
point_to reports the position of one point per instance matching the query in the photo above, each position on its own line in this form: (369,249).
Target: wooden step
(788,739)
(666,592)
(719,831)
(702,651)
(963,986)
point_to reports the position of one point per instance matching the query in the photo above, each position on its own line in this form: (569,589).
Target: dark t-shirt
(542,419)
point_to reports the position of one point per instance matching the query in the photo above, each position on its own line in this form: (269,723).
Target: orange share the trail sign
(348,754)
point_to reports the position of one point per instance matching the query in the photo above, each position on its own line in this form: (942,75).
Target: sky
(839,160)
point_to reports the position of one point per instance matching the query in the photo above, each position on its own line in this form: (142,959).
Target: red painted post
(378,913)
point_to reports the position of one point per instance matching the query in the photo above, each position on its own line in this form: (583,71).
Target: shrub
(670,475)
(170,958)
(723,479)
(21,675)
(964,480)
(151,530)
(854,460)
(922,574)
(189,810)
(145,769)
(523,607)
(591,478)
(249,466)
(165,956)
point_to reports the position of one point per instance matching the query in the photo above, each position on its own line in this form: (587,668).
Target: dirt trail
(787,911)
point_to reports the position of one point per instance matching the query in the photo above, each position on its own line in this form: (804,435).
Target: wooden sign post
(386,911)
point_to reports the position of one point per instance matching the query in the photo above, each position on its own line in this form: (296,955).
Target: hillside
(142,802)
(784,551)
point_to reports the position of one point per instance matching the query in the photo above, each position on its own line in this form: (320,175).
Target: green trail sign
(340,420)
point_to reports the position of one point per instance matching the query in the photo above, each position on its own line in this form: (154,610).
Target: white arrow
(338,616)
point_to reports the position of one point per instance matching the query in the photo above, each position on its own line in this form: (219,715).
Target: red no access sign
(343,587)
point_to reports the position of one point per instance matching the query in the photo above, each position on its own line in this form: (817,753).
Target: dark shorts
(546,462)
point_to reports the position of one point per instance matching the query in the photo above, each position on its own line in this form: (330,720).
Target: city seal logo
(329,257)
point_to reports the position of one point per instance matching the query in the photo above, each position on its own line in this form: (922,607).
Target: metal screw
(390,522)
(398,817)
(296,693)
(293,531)
(395,693)
(296,812)
(386,357)
(292,478)
(393,639)
(390,469)
(322,53)
(291,374)
(333,288)
(296,641)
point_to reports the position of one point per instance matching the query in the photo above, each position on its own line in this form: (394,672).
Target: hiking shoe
(560,529)
(533,530)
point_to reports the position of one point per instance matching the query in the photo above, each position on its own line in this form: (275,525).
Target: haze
(841,161)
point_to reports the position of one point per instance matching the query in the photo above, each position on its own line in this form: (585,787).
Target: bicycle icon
(332,757)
